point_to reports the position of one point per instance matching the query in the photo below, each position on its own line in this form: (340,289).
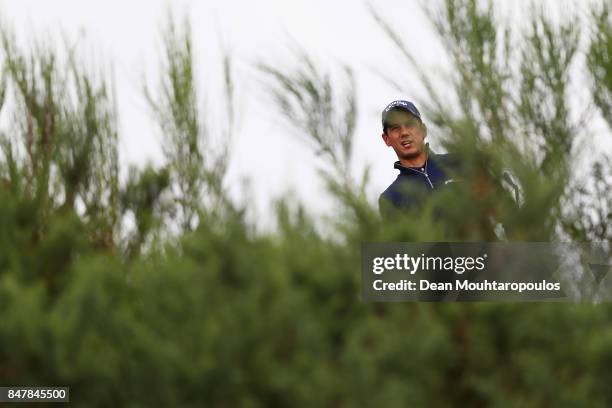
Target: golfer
(421,172)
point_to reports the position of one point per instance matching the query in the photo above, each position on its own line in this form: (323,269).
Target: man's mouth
(406,143)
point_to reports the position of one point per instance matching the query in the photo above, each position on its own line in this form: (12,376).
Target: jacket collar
(429,163)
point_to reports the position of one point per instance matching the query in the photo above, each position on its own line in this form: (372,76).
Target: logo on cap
(403,105)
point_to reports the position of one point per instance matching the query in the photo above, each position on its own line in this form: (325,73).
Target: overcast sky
(126,34)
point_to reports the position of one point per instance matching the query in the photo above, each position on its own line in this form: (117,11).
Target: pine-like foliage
(156,290)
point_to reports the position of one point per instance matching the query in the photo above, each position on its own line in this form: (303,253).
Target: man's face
(404,134)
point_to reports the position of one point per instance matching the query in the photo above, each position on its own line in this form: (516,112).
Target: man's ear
(385,137)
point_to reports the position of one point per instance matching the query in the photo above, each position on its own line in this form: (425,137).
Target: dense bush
(190,304)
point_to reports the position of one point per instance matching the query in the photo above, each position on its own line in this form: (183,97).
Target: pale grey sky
(126,33)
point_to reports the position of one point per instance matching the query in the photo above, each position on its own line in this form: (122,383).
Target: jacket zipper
(424,173)
(428,180)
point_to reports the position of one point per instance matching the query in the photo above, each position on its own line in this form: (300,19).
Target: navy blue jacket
(414,184)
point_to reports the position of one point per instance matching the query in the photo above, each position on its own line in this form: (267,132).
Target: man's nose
(406,130)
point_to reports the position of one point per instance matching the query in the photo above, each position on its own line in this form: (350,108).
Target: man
(421,172)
